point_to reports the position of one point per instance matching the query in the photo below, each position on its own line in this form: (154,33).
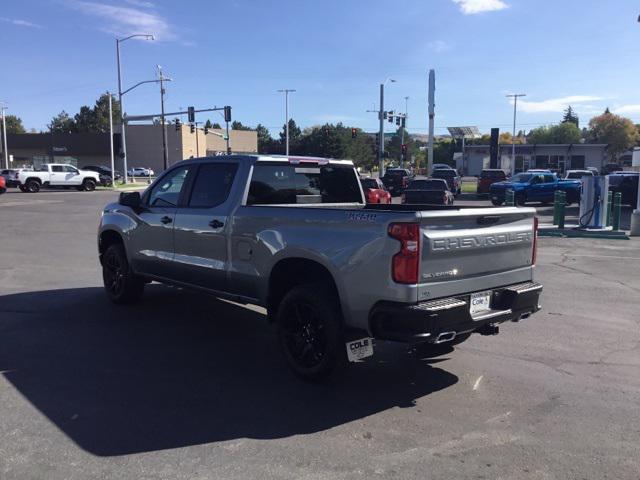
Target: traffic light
(192,127)
(191,113)
(377,139)
(398,121)
(404,121)
(390,118)
(178,125)
(227,113)
(403,149)
(354,132)
(206,130)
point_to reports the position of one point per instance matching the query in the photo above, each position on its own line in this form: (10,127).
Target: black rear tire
(310,332)
(497,202)
(88,185)
(120,283)
(33,186)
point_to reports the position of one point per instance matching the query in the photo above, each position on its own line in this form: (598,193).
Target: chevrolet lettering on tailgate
(480,241)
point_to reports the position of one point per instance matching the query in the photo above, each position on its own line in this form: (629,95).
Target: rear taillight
(405,264)
(534,251)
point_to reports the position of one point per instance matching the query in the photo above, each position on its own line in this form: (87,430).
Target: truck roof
(293,159)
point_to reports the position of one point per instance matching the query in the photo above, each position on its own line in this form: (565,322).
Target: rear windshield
(402,173)
(442,173)
(521,177)
(298,184)
(492,174)
(369,183)
(427,185)
(578,174)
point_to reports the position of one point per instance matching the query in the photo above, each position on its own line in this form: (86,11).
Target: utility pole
(432,115)
(120,93)
(113,167)
(513,136)
(197,145)
(229,148)
(5,149)
(165,153)
(286,92)
(404,126)
(381,131)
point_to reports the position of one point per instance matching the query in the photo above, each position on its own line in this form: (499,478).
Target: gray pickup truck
(294,235)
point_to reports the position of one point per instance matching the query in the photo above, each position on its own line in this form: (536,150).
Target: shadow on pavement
(182,369)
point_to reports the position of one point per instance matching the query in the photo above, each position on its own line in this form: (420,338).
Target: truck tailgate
(474,249)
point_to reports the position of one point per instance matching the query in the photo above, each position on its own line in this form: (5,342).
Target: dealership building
(144,146)
(558,158)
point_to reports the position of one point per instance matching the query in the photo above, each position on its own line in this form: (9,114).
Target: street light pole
(5,148)
(122,125)
(113,167)
(165,153)
(513,136)
(286,92)
(381,131)
(404,125)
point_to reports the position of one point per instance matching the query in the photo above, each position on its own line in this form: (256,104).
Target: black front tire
(120,283)
(310,332)
(497,202)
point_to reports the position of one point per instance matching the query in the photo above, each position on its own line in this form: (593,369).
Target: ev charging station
(593,202)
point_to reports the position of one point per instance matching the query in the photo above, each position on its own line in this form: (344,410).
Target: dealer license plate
(359,349)
(480,302)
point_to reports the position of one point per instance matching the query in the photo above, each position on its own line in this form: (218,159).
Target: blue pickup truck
(535,186)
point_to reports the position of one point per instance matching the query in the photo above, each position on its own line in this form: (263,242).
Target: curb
(553,231)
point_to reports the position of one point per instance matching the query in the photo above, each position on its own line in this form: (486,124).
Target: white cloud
(140,3)
(578,102)
(633,109)
(127,20)
(20,23)
(439,46)
(471,7)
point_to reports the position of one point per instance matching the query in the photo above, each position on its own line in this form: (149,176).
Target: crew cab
(535,186)
(428,190)
(57,175)
(294,235)
(374,190)
(396,180)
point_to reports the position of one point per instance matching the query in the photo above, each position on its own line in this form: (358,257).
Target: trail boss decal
(362,216)
(359,349)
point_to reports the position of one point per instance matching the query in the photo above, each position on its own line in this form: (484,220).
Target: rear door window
(273,184)
(212,184)
(57,168)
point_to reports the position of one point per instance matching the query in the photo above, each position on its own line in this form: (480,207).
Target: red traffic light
(354,132)
(403,147)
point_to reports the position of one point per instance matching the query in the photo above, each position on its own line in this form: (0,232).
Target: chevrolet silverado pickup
(535,186)
(52,175)
(294,235)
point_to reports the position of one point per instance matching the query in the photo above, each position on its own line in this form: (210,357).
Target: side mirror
(130,199)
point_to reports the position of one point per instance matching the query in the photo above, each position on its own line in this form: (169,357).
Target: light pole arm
(140,83)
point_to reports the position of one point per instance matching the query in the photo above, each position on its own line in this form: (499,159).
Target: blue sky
(60,54)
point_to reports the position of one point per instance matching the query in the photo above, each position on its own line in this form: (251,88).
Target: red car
(3,185)
(374,190)
(487,177)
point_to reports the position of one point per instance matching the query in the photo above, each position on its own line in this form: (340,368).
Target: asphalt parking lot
(187,386)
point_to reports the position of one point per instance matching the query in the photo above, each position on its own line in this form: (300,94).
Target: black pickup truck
(396,180)
(433,191)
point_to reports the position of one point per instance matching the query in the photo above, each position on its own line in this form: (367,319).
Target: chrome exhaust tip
(445,337)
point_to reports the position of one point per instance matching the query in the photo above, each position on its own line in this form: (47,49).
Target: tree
(570,117)
(207,124)
(294,135)
(216,125)
(566,132)
(265,141)
(14,124)
(85,120)
(236,125)
(618,132)
(62,123)
(101,113)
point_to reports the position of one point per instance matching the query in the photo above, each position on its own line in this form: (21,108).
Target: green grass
(469,187)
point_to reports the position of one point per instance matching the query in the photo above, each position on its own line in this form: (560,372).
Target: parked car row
(140,172)
(428,191)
